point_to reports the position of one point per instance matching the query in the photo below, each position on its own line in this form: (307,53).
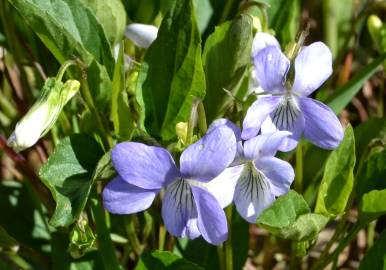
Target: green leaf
(372,206)
(69,29)
(289,217)
(68,175)
(120,109)
(104,169)
(283,212)
(164,260)
(373,173)
(375,257)
(345,94)
(112,16)
(338,178)
(228,48)
(306,227)
(204,12)
(172,74)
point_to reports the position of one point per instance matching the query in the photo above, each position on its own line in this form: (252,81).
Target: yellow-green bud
(374,25)
(43,114)
(182,131)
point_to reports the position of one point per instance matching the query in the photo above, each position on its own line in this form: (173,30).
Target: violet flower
(288,107)
(188,209)
(256,177)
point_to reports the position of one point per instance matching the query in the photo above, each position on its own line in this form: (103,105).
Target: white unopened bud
(43,114)
(142,35)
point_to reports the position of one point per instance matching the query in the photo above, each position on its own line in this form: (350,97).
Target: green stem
(63,69)
(299,168)
(106,246)
(161,237)
(294,261)
(221,259)
(228,244)
(86,94)
(132,234)
(371,234)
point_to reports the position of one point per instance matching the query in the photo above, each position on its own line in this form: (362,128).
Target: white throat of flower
(285,115)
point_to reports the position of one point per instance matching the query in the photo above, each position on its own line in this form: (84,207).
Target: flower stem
(228,244)
(299,168)
(86,94)
(161,237)
(63,69)
(106,246)
(221,259)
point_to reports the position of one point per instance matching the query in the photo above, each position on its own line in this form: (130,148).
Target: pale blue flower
(256,176)
(289,108)
(188,208)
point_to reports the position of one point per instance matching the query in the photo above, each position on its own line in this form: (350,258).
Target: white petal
(262,40)
(142,35)
(313,66)
(223,186)
(253,193)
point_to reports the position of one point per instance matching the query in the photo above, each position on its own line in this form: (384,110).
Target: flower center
(285,115)
(253,183)
(181,193)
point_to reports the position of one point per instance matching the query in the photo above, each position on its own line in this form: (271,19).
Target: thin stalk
(299,168)
(294,261)
(63,69)
(106,246)
(221,259)
(371,234)
(228,244)
(86,94)
(161,237)
(132,234)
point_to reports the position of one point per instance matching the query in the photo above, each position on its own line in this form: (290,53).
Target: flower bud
(374,25)
(142,35)
(43,114)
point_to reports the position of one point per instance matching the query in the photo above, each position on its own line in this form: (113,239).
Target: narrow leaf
(120,109)
(345,94)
